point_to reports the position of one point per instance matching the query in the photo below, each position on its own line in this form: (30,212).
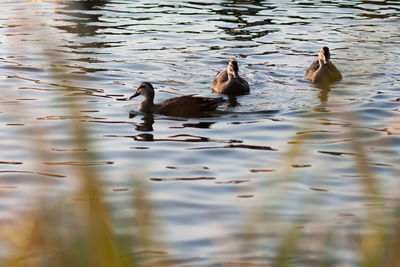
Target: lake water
(286,154)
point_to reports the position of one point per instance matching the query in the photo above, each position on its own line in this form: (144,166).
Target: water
(287,149)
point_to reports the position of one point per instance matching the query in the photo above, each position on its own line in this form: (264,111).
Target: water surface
(287,150)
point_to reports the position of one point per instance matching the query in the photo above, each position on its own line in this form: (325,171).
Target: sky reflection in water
(205,173)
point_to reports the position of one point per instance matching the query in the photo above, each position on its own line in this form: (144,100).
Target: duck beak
(235,75)
(133,96)
(326,60)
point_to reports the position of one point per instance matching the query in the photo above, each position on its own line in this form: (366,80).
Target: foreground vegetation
(78,229)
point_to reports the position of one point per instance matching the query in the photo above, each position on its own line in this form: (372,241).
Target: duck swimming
(183,106)
(322,70)
(229,82)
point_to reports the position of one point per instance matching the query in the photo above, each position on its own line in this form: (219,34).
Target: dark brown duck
(229,82)
(322,70)
(183,106)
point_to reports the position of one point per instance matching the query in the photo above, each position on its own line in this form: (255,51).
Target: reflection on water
(79,20)
(239,15)
(205,173)
(324,88)
(233,102)
(147,124)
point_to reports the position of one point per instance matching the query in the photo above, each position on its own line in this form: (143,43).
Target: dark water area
(288,149)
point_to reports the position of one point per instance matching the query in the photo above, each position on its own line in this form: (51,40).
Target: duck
(183,106)
(322,70)
(229,82)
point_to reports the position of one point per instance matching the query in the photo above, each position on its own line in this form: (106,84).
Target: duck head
(233,69)
(324,55)
(145,89)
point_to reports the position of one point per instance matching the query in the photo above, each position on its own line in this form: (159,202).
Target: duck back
(222,84)
(326,73)
(188,106)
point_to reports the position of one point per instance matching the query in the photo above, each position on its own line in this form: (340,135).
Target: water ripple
(206,172)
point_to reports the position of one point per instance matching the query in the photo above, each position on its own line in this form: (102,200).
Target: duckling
(183,106)
(323,70)
(229,82)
